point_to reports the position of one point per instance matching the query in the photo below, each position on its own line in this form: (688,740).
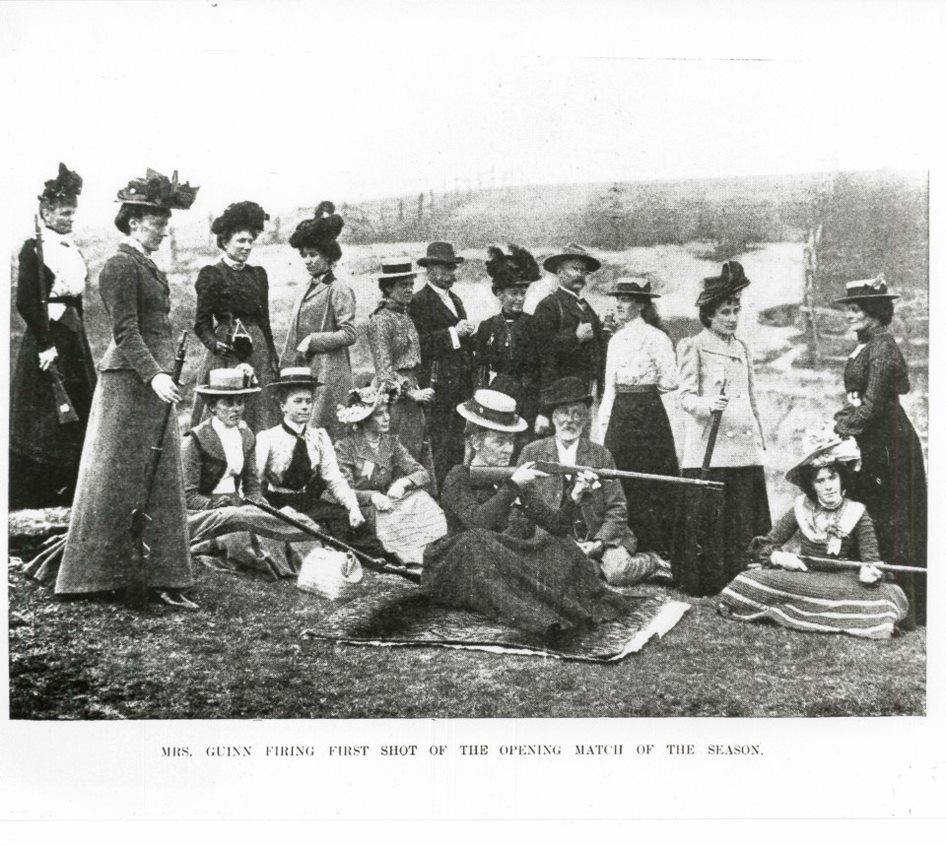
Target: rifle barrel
(497,474)
(856,565)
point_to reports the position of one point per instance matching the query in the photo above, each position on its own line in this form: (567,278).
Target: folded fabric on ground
(391,612)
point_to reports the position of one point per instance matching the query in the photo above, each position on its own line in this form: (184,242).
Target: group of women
(291,431)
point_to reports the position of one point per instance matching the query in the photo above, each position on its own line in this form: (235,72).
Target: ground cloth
(389,611)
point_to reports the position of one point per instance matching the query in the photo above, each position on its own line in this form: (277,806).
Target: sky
(290,103)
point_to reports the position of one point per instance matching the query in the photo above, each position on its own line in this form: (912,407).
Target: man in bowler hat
(446,350)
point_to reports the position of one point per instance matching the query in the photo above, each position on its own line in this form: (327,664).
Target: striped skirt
(832,603)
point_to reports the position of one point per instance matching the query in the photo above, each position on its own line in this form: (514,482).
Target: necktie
(300,468)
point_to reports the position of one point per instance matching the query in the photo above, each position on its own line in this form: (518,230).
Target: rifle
(379,565)
(846,564)
(65,411)
(481,476)
(138,583)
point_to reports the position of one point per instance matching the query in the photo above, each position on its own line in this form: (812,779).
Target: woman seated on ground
(388,482)
(508,555)
(297,464)
(830,525)
(221,482)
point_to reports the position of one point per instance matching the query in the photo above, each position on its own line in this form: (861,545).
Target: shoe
(175,598)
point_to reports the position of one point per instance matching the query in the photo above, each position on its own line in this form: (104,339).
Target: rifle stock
(65,411)
(482,476)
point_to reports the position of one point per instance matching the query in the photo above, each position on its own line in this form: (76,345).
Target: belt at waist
(636,389)
(245,319)
(75,302)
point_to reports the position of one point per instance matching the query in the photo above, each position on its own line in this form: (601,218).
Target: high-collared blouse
(638,354)
(274,449)
(395,344)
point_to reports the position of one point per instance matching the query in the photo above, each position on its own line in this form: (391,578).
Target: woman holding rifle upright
(45,442)
(128,410)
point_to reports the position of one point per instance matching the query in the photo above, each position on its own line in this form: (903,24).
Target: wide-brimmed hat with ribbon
(65,188)
(572,251)
(440,252)
(157,191)
(363,402)
(492,410)
(732,279)
(295,377)
(564,391)
(822,448)
(229,382)
(395,270)
(867,289)
(632,286)
(518,269)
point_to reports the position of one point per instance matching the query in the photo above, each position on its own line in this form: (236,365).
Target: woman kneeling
(830,525)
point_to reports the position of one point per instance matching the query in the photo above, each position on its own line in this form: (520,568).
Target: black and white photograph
(514,390)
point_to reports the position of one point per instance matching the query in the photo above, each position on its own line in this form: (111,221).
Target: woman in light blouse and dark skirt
(632,420)
(231,293)
(892,480)
(707,362)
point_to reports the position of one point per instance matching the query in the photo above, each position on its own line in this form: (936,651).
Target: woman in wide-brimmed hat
(716,375)
(817,596)
(44,453)
(322,326)
(395,350)
(892,480)
(233,311)
(494,560)
(134,387)
(389,483)
(632,420)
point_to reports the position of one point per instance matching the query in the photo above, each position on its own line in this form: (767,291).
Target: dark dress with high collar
(892,479)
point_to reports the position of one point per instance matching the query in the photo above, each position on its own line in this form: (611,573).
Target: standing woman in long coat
(322,327)
(892,481)
(233,295)
(708,361)
(134,386)
(632,420)
(44,453)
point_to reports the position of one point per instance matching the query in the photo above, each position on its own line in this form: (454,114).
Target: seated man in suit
(597,507)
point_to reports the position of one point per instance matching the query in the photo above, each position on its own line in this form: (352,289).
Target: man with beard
(596,508)
(446,350)
(573,343)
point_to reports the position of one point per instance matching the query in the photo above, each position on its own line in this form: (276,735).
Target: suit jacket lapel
(210,441)
(440,306)
(147,263)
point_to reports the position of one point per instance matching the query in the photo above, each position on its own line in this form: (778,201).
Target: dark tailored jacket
(604,510)
(205,462)
(555,320)
(433,321)
(138,300)
(223,292)
(513,352)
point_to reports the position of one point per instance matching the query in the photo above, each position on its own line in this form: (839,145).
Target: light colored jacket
(704,362)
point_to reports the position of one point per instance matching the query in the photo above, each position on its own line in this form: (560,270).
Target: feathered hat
(517,268)
(823,447)
(319,232)
(731,279)
(239,216)
(64,188)
(157,191)
(362,403)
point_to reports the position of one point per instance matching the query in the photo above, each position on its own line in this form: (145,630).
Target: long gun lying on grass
(138,583)
(481,476)
(65,412)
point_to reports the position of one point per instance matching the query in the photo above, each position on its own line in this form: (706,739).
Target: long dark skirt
(262,411)
(700,566)
(892,485)
(641,440)
(45,453)
(123,425)
(530,584)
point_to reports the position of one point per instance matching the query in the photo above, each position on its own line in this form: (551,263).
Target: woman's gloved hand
(787,560)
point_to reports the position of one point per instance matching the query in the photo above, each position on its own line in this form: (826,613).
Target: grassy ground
(243,656)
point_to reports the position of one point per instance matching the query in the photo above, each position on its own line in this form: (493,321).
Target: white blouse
(232,442)
(638,354)
(62,257)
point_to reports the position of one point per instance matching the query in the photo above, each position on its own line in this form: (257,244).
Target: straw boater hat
(492,410)
(867,289)
(239,216)
(564,391)
(363,402)
(572,251)
(157,191)
(518,269)
(440,252)
(731,280)
(822,448)
(229,382)
(395,270)
(632,286)
(65,188)
(295,377)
